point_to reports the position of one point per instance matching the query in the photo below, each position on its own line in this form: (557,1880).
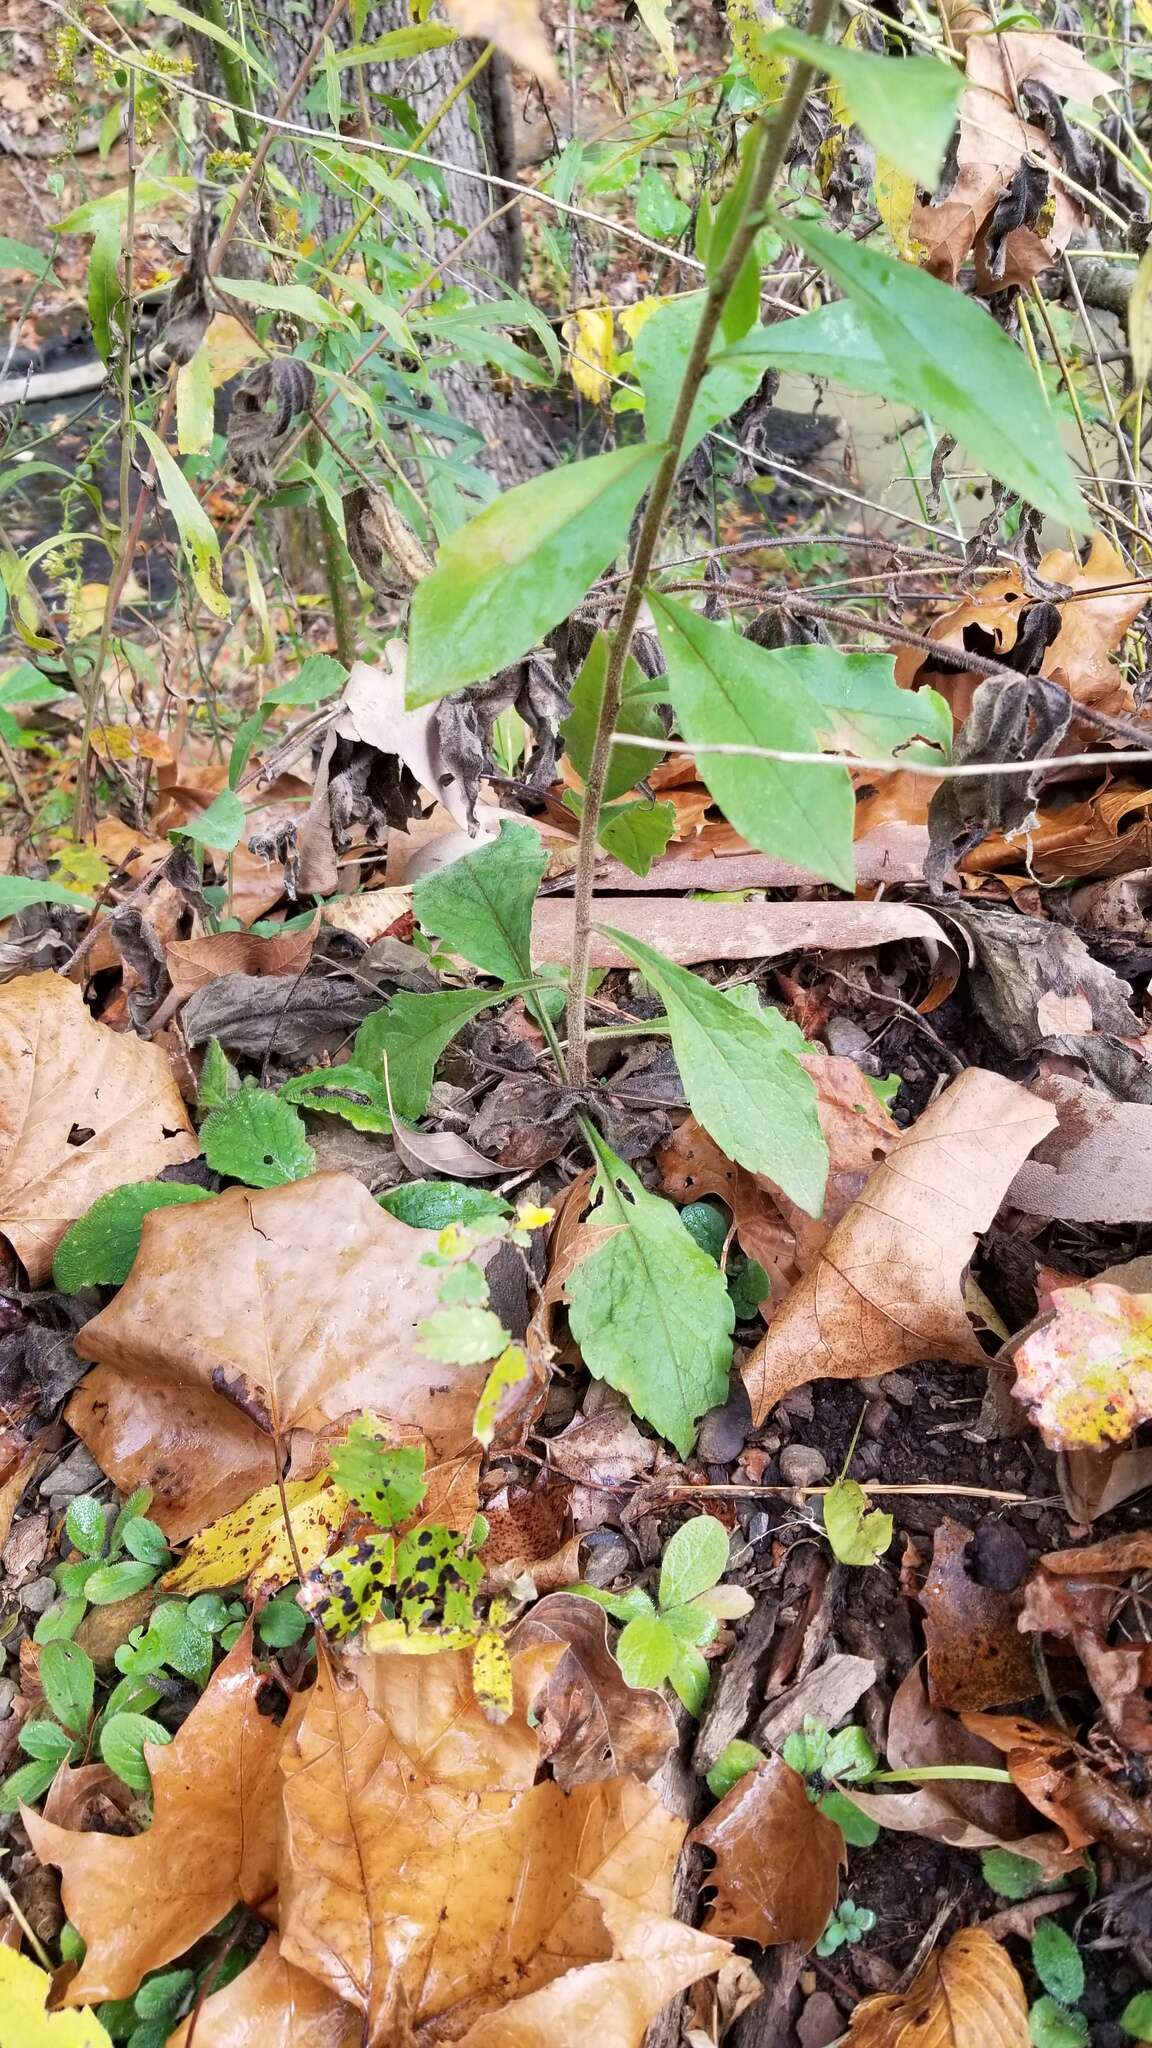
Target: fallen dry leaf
(1109,833)
(976,1654)
(263,1315)
(593,1723)
(1065,1783)
(193,963)
(778,1859)
(885,1290)
(1096,1166)
(253,1542)
(140,1900)
(425,1905)
(1080,657)
(968,1995)
(1079,1594)
(272,2005)
(82,1110)
(514,26)
(1086,1375)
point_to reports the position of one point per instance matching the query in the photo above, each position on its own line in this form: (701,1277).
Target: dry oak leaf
(885,1290)
(1080,657)
(271,2005)
(1086,1375)
(193,963)
(82,1110)
(1082,1595)
(425,1878)
(968,1995)
(264,1316)
(140,1900)
(593,1723)
(976,1654)
(778,1860)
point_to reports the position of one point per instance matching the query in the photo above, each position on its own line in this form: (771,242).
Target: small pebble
(802,1465)
(38,1597)
(877,1416)
(758,1526)
(607,1555)
(724,1431)
(1000,1556)
(76,1474)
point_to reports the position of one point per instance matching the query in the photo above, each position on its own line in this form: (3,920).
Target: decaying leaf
(885,1289)
(308,1298)
(1096,1166)
(976,1654)
(778,1859)
(82,1110)
(968,1995)
(514,26)
(1064,1782)
(273,2005)
(594,1725)
(419,1902)
(193,963)
(1086,1375)
(214,1822)
(1081,1594)
(253,1542)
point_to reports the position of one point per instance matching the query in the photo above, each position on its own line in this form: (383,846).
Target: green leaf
(122,1742)
(481,906)
(61,1620)
(398,43)
(958,365)
(105,292)
(196,531)
(864,710)
(68,1677)
(1011,1876)
(351,1092)
(859,1830)
(508,1371)
(218,1080)
(27,1784)
(1051,2026)
(834,342)
(145,1541)
(659,212)
(99,1249)
(725,689)
(1136,2018)
(696,1558)
(22,256)
(112,1582)
(857,1534)
(19,892)
(44,1741)
(204,26)
(161,1994)
(195,405)
(661,354)
(463,1335)
(741,1076)
(434,1204)
(638,714)
(1056,1961)
(707,1225)
(299,300)
(691,1676)
(649,1310)
(635,834)
(220,827)
(258,1139)
(84,220)
(87,1525)
(506,578)
(906,106)
(646,1650)
(734,1762)
(317,679)
(415,1029)
(282,1622)
(173,1640)
(385,1480)
(850,1756)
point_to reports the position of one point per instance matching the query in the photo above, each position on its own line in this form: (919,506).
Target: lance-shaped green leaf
(741,1077)
(834,342)
(634,833)
(481,906)
(863,710)
(105,292)
(650,1310)
(414,1030)
(661,353)
(197,534)
(727,689)
(906,106)
(638,713)
(506,578)
(954,362)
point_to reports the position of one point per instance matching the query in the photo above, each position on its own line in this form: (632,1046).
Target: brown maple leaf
(272,2004)
(140,1900)
(255,1323)
(885,1289)
(968,1995)
(82,1110)
(778,1859)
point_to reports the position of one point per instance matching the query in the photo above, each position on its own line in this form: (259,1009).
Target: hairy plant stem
(771,151)
(334,567)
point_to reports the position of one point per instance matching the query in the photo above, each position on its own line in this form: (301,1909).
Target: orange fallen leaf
(140,1900)
(429,1881)
(1086,1375)
(778,1859)
(278,1313)
(275,2006)
(968,1995)
(976,1654)
(885,1289)
(82,1110)
(1080,1594)
(1109,833)
(193,963)
(1064,1782)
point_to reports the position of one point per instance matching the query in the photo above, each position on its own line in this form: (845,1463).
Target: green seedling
(663,1640)
(848,1925)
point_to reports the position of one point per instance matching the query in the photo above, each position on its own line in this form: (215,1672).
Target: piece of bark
(730,1708)
(828,1694)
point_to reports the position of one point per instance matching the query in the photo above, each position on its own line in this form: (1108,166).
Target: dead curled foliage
(778,1859)
(968,1995)
(1084,1596)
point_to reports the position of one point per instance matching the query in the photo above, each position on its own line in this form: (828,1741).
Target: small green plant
(1053,2020)
(663,1639)
(748,1283)
(115,1557)
(848,1925)
(856,1533)
(1136,2018)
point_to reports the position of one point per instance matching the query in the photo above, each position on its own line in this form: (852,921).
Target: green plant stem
(772,149)
(234,75)
(927,1774)
(334,568)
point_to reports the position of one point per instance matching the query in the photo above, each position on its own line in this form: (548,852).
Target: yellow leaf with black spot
(252,1542)
(492,1675)
(345,1592)
(436,1581)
